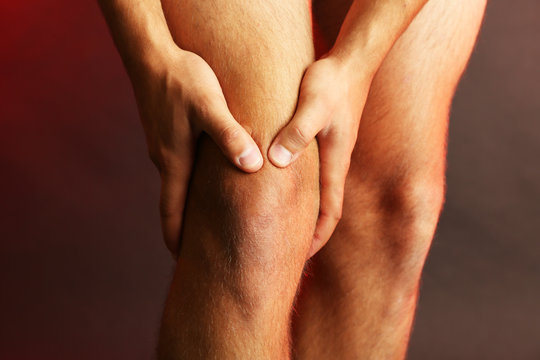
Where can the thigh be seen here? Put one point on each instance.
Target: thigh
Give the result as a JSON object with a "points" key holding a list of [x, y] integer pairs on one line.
{"points": [[258, 50], [402, 135], [405, 119]]}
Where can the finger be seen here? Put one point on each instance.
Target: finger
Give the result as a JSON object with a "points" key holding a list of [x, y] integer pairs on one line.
{"points": [[174, 184], [233, 140], [310, 118], [335, 157]]}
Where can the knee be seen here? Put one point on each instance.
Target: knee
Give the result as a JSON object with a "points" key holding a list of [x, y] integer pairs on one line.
{"points": [[257, 228], [268, 215], [404, 214], [409, 213], [411, 204]]}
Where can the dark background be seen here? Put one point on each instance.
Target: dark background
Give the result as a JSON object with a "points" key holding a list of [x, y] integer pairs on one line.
{"points": [[83, 270]]}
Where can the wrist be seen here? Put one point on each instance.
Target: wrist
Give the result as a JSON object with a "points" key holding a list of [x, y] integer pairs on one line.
{"points": [[353, 68], [146, 50], [140, 32], [369, 31], [153, 58]]}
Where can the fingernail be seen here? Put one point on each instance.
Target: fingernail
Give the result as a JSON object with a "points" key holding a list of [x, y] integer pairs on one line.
{"points": [[280, 155], [250, 158]]}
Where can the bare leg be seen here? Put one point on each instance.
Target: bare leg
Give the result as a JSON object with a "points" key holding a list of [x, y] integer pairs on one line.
{"points": [[246, 236], [359, 298]]}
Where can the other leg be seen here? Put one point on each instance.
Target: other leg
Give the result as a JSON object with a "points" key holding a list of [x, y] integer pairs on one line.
{"points": [[359, 296]]}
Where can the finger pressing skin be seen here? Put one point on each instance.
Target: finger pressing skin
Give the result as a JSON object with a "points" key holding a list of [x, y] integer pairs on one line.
{"points": [[233, 140], [335, 158], [174, 185], [311, 117]]}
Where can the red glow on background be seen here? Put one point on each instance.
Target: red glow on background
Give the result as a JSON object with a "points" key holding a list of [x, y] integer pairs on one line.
{"points": [[72, 155]]}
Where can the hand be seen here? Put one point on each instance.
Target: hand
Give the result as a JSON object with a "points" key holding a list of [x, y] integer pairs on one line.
{"points": [[178, 97], [329, 107]]}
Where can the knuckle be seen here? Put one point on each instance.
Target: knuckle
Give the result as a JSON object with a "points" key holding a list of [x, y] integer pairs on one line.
{"points": [[335, 209], [300, 135], [229, 135], [334, 213], [209, 104], [204, 106]]}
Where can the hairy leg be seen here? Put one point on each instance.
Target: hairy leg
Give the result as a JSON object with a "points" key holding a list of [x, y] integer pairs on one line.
{"points": [[359, 296], [245, 236]]}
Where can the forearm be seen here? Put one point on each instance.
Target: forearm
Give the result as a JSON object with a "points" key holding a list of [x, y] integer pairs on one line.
{"points": [[139, 30], [369, 30]]}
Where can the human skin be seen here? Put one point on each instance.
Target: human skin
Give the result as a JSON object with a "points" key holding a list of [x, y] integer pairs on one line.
{"points": [[178, 98], [236, 280], [332, 97], [360, 291]]}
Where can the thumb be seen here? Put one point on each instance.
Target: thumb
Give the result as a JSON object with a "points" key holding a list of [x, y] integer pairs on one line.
{"points": [[233, 140], [310, 118]]}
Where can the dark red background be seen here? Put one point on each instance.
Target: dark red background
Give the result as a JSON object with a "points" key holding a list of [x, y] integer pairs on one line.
{"points": [[84, 273]]}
